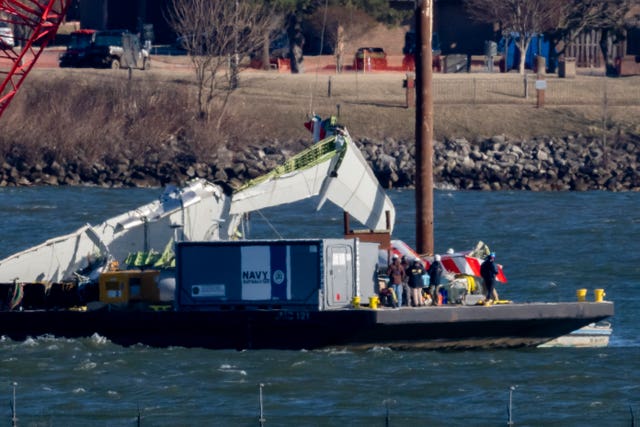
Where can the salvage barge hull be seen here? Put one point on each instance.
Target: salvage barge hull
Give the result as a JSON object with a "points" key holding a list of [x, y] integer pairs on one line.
{"points": [[455, 327]]}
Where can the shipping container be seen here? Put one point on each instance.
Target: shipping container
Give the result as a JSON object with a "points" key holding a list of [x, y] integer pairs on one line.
{"points": [[318, 274]]}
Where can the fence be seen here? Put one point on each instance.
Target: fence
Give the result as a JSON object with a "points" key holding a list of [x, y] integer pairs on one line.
{"points": [[586, 49], [516, 89]]}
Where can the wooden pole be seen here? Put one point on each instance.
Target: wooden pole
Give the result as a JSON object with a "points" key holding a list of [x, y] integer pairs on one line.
{"points": [[424, 128], [346, 223]]}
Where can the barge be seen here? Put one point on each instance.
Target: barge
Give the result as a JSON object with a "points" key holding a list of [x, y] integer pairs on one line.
{"points": [[290, 294]]}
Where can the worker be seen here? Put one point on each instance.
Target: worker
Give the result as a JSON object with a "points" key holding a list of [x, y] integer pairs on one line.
{"points": [[489, 271], [435, 271], [396, 278], [416, 270]]}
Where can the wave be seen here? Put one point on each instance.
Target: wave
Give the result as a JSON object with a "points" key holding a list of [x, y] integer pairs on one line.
{"points": [[8, 209]]}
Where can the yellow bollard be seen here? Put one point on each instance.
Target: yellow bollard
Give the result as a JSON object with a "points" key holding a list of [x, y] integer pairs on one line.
{"points": [[355, 302], [599, 295], [581, 294], [373, 302]]}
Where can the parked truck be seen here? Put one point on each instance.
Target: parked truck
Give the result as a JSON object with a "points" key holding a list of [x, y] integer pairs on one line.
{"points": [[105, 49], [76, 53], [117, 49]]}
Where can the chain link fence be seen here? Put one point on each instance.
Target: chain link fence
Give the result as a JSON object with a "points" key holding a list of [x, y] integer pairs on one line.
{"points": [[517, 89]]}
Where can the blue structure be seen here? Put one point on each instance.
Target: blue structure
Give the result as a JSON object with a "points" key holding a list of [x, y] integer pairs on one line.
{"points": [[538, 47]]}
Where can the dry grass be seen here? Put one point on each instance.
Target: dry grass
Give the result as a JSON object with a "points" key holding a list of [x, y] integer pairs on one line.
{"points": [[89, 113], [88, 116], [373, 105]]}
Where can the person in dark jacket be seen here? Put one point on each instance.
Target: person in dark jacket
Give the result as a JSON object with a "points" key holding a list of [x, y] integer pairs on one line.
{"points": [[406, 290], [415, 272], [397, 275], [489, 271], [435, 271]]}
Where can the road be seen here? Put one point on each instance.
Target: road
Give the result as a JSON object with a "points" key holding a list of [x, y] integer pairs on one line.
{"points": [[163, 59]]}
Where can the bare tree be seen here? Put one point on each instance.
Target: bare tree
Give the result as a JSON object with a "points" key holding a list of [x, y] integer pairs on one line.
{"points": [[611, 17], [521, 19], [218, 36]]}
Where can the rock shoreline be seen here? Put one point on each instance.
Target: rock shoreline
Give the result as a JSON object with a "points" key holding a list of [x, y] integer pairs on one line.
{"points": [[573, 163]]}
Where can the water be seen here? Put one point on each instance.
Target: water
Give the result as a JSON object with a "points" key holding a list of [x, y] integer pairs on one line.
{"points": [[550, 243]]}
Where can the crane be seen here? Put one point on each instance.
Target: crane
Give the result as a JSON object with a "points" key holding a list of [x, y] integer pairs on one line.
{"points": [[37, 22]]}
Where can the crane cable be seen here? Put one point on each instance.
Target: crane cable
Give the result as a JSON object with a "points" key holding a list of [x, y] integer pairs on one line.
{"points": [[324, 26]]}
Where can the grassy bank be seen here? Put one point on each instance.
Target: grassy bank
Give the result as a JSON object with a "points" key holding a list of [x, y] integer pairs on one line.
{"points": [[88, 115]]}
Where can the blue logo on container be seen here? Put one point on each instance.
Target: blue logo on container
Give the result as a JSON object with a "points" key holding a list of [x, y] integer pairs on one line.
{"points": [[278, 267], [278, 277]]}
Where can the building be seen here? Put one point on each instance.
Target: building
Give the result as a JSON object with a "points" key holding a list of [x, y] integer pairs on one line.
{"points": [[132, 15], [457, 33]]}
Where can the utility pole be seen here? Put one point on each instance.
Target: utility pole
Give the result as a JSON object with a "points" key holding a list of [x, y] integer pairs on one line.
{"points": [[424, 128]]}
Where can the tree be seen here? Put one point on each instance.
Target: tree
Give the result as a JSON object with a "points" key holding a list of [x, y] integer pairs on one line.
{"points": [[610, 17], [279, 8], [521, 19], [322, 27], [296, 43], [294, 10], [218, 36]]}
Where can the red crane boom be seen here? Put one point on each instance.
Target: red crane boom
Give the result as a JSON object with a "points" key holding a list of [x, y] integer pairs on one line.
{"points": [[36, 23]]}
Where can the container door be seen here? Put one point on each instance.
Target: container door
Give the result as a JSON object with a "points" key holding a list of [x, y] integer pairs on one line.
{"points": [[340, 275]]}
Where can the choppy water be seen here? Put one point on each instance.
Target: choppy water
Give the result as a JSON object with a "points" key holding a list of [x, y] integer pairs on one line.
{"points": [[550, 243]]}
